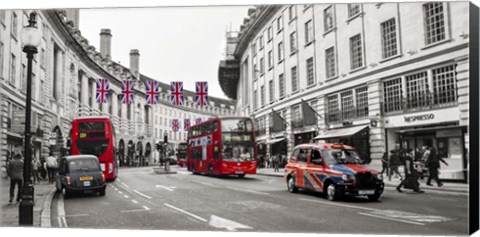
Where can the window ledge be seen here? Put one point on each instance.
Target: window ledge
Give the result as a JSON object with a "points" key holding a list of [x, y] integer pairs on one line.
{"points": [[309, 43], [310, 86], [329, 30], [279, 31], [280, 61], [360, 14], [390, 58], [270, 68], [295, 92], [331, 78], [269, 40], [436, 44], [357, 69], [292, 20], [293, 53]]}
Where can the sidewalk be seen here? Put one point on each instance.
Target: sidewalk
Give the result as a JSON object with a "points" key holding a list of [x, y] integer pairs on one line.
{"points": [[447, 186], [43, 197]]}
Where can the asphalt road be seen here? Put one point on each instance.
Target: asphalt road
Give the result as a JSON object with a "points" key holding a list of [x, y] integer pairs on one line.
{"points": [[140, 199]]}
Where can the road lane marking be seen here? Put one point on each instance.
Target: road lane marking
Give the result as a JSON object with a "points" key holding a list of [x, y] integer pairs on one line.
{"points": [[338, 204], [62, 222], [248, 191], [164, 187], [134, 201], [141, 194], [222, 223], [124, 184], [76, 215], [391, 218], [185, 212], [146, 208], [136, 210], [125, 196], [120, 192]]}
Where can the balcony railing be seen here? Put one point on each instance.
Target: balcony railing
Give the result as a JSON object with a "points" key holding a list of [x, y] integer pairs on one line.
{"points": [[342, 116], [423, 102]]}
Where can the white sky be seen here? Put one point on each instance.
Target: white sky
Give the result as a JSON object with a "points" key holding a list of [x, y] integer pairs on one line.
{"points": [[175, 43]]}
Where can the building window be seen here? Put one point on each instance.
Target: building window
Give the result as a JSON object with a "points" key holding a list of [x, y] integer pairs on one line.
{"points": [[361, 96], [42, 95], [254, 69], [13, 68], [293, 42], [34, 82], [262, 66], [308, 32], [269, 33], [332, 109], [23, 82], [1, 58], [271, 90], [291, 12], [42, 58], [296, 115], [310, 73], [294, 79], [444, 85], [14, 25], [262, 95], [270, 59], [254, 49], [389, 38], [353, 10], [260, 42], [434, 22], [417, 90], [90, 92], [348, 111], [392, 92], [109, 101], [331, 69], [281, 84], [356, 53], [328, 21], [2, 16], [279, 23], [280, 51], [255, 105]]}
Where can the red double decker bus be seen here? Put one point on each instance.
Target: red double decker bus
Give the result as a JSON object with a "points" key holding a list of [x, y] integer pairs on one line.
{"points": [[182, 154], [222, 146], [96, 136]]}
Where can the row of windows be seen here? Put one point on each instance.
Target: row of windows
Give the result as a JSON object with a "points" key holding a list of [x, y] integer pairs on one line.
{"points": [[434, 31], [347, 105]]}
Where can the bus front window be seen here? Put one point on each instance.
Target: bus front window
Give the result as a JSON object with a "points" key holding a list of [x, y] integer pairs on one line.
{"points": [[237, 153]]}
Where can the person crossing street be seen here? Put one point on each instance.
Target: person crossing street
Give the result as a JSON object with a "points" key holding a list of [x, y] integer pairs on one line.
{"points": [[432, 160]]}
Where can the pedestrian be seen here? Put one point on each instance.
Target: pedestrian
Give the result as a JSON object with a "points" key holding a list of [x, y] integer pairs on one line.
{"points": [[15, 172], [276, 162], [385, 164], [51, 165], [411, 175], [35, 175], [41, 169], [395, 161], [432, 160]]}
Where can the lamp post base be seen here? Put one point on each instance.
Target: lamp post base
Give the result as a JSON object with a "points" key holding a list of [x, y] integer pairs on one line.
{"points": [[25, 216]]}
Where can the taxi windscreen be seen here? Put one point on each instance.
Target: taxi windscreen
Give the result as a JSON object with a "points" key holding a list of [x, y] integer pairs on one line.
{"points": [[341, 156]]}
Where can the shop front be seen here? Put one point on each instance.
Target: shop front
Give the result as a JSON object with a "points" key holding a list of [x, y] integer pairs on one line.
{"points": [[438, 129], [278, 146], [355, 136], [304, 137]]}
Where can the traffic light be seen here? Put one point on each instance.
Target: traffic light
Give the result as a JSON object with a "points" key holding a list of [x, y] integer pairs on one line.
{"points": [[165, 138]]}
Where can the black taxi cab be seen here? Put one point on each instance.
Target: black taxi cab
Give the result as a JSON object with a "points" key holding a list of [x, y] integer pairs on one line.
{"points": [[333, 169]]}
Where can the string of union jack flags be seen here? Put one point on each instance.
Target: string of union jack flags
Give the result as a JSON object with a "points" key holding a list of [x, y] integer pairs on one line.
{"points": [[152, 93]]}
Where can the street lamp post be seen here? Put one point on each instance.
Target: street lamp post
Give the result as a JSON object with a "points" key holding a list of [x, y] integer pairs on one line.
{"points": [[31, 40]]}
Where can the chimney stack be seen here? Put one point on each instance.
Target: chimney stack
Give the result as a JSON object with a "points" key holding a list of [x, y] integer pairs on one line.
{"points": [[134, 63], [106, 43]]}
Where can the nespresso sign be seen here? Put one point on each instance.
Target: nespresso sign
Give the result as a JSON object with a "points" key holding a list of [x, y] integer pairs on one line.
{"points": [[420, 117]]}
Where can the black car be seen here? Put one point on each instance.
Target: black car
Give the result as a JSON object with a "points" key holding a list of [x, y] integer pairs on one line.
{"points": [[80, 173]]}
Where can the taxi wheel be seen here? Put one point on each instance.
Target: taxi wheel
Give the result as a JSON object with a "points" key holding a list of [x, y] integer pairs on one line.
{"points": [[374, 197], [102, 192], [332, 193], [291, 185]]}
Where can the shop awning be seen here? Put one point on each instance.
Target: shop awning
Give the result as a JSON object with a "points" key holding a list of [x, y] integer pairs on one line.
{"points": [[273, 141], [430, 129], [340, 132]]}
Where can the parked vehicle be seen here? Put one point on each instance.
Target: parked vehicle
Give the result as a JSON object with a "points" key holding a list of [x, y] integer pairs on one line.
{"points": [[333, 169], [80, 173]]}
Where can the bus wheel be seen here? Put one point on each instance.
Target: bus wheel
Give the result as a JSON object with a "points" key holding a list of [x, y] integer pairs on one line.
{"points": [[241, 175]]}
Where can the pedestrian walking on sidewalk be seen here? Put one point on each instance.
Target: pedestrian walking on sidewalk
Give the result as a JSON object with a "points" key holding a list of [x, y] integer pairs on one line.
{"points": [[411, 175], [15, 172], [276, 162], [51, 167], [385, 164], [432, 160], [35, 165], [395, 161]]}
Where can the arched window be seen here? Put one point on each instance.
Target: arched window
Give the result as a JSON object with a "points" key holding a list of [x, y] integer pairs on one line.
{"points": [[146, 114]]}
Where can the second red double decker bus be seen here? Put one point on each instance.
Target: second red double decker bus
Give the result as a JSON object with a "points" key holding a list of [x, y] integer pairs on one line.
{"points": [[96, 136], [182, 154], [222, 146]]}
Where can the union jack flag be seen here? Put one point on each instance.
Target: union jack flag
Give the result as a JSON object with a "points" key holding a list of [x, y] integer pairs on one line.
{"points": [[152, 92], [175, 125], [186, 125], [198, 120], [176, 93], [127, 92], [102, 91], [202, 93]]}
